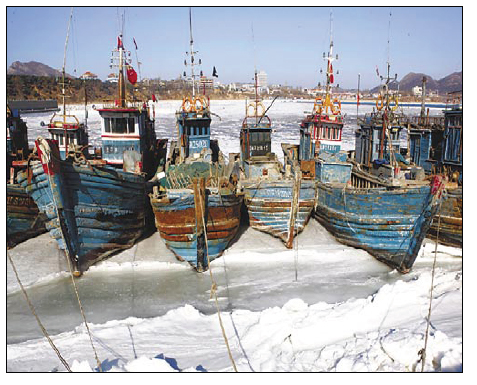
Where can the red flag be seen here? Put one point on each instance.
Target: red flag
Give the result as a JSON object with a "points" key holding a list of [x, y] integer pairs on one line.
{"points": [[120, 42], [357, 98], [332, 78], [132, 76], [134, 40]]}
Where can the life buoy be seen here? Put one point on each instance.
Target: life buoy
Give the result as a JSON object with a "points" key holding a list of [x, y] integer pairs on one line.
{"points": [[254, 109], [202, 104], [380, 102], [318, 106], [336, 106], [396, 103], [187, 104]]}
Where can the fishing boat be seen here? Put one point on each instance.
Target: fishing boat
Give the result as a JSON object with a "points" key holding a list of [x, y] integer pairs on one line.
{"points": [[24, 221], [435, 143], [370, 202], [279, 202], [96, 208], [196, 207]]}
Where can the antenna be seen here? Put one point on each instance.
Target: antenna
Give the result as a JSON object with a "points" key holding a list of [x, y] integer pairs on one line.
{"points": [[254, 51], [389, 32], [64, 64], [192, 52]]}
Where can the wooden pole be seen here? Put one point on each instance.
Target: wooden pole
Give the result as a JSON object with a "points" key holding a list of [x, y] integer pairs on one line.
{"points": [[200, 220], [294, 208]]}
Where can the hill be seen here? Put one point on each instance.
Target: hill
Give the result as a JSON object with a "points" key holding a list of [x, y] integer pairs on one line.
{"points": [[27, 87], [33, 68], [452, 82]]}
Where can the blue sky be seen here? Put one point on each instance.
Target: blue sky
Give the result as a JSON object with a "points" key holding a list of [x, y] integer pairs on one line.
{"points": [[288, 42]]}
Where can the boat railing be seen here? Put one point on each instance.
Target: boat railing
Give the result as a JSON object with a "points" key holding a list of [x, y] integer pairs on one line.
{"points": [[251, 122], [374, 118], [425, 121], [116, 104], [64, 121]]}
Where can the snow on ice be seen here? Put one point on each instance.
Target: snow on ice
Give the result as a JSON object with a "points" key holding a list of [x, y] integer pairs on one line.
{"points": [[322, 306]]}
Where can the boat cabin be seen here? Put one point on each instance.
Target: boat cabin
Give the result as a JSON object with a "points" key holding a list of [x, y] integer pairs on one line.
{"points": [[193, 123], [319, 152], [17, 135], [256, 154], [320, 133], [193, 126], [425, 141], [130, 130], [371, 147], [66, 130], [452, 146]]}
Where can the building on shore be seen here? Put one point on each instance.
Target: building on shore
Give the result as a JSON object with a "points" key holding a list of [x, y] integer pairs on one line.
{"points": [[89, 76]]}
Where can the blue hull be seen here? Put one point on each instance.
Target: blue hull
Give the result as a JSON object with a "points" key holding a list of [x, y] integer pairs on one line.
{"points": [[389, 224], [176, 222], [269, 205], [24, 221], [447, 225], [92, 211]]}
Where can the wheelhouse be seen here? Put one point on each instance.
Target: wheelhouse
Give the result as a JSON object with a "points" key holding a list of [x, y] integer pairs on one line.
{"points": [[374, 147], [66, 130]]}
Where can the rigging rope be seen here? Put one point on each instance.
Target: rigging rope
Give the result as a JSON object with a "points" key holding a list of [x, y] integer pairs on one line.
{"points": [[422, 352], [213, 289], [69, 261], [45, 333]]}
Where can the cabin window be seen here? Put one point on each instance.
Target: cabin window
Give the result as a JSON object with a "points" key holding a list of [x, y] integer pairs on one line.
{"points": [[119, 125], [131, 125], [61, 140], [187, 131]]}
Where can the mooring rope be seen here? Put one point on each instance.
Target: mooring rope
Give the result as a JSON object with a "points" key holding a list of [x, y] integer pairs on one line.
{"points": [[213, 289], [50, 155], [32, 309], [422, 352]]}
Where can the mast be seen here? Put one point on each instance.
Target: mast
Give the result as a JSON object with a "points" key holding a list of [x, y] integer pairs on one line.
{"points": [[121, 82], [357, 99], [330, 58], [423, 100], [63, 82], [119, 59], [327, 104], [192, 52]]}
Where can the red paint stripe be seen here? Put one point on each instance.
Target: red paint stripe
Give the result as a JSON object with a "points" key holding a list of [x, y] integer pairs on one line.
{"points": [[121, 136]]}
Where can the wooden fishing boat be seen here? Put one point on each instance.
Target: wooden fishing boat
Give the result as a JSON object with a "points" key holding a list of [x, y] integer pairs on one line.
{"points": [[436, 144], [279, 202], [196, 207], [96, 208], [366, 202], [24, 221]]}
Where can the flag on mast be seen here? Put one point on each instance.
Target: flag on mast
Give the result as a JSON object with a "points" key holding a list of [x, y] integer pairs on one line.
{"points": [[135, 44], [332, 78], [214, 73]]}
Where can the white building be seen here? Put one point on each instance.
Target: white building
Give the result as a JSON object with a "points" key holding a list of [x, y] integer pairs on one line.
{"points": [[112, 78], [417, 91], [88, 76], [262, 79]]}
